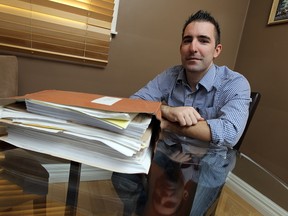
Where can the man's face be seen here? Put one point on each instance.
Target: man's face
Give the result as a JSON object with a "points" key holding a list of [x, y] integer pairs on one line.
{"points": [[167, 195], [197, 48]]}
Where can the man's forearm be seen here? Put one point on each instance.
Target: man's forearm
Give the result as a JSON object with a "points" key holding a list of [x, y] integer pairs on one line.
{"points": [[200, 131]]}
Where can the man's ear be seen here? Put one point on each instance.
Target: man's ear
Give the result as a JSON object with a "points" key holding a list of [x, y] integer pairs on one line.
{"points": [[185, 195], [218, 50]]}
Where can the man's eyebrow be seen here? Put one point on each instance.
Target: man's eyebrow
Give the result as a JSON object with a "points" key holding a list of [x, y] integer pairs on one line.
{"points": [[204, 37], [186, 36], [200, 36]]}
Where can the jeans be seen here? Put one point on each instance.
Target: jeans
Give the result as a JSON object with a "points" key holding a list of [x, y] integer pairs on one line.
{"points": [[213, 172], [131, 190]]}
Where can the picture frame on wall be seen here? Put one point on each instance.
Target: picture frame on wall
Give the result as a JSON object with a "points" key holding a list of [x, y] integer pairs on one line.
{"points": [[279, 12]]}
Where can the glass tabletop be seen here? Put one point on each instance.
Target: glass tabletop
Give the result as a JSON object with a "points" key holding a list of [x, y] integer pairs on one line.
{"points": [[180, 182]]}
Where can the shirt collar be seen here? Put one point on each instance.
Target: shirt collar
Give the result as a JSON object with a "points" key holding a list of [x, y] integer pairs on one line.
{"points": [[209, 78], [181, 78], [207, 81]]}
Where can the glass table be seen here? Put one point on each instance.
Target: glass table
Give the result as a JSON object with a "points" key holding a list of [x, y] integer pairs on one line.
{"points": [[179, 182]]}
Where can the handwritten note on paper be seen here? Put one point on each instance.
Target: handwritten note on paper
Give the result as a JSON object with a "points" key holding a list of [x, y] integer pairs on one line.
{"points": [[106, 100]]}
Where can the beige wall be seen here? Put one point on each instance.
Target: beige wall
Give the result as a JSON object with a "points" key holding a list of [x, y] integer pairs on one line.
{"points": [[262, 58], [147, 43]]}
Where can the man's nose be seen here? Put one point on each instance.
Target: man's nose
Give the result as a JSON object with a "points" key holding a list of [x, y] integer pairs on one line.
{"points": [[193, 46]]}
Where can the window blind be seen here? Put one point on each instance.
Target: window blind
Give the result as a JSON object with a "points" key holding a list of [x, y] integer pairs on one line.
{"points": [[73, 30]]}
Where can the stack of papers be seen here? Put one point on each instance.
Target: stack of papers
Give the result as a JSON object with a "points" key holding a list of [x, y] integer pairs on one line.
{"points": [[106, 137]]}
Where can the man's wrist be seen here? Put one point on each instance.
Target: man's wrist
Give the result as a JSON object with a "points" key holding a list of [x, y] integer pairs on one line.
{"points": [[164, 109]]}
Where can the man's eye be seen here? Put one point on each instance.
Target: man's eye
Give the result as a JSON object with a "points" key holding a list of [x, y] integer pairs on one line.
{"points": [[186, 41], [204, 41]]}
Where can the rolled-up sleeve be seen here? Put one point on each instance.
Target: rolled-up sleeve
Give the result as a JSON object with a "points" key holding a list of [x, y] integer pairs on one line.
{"points": [[233, 102]]}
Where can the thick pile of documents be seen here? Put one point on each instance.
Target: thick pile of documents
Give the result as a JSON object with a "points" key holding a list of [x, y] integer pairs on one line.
{"points": [[106, 132]]}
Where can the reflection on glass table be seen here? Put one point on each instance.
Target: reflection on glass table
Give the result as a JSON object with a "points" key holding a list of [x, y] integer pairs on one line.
{"points": [[21, 178], [183, 180], [26, 186]]}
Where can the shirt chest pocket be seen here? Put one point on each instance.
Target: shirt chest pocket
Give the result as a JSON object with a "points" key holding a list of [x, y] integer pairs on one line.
{"points": [[209, 112]]}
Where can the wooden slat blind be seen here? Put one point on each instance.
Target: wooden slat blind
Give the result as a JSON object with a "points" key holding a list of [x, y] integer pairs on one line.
{"points": [[74, 30]]}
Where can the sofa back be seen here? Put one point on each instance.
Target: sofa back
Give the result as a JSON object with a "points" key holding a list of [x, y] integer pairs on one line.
{"points": [[8, 76]]}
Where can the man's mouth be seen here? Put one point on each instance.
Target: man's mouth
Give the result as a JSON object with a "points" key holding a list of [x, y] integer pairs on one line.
{"points": [[193, 59]]}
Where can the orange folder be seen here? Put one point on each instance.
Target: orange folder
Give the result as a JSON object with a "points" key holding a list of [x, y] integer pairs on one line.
{"points": [[84, 100]]}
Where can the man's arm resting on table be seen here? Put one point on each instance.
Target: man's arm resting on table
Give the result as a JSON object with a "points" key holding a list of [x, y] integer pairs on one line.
{"points": [[185, 121]]}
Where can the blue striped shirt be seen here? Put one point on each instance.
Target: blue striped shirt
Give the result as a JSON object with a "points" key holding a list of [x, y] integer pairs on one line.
{"points": [[222, 97]]}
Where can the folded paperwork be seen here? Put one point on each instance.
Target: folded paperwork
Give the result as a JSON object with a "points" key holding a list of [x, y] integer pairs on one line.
{"points": [[106, 132]]}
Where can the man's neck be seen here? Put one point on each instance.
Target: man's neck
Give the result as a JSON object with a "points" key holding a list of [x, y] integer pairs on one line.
{"points": [[193, 78]]}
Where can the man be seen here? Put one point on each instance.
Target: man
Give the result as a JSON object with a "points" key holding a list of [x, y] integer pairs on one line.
{"points": [[205, 107]]}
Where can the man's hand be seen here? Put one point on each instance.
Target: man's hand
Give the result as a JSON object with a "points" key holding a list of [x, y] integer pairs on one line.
{"points": [[185, 121], [180, 157], [185, 116]]}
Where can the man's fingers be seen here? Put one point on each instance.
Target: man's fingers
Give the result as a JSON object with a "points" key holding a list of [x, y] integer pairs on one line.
{"points": [[185, 116], [188, 120], [180, 157]]}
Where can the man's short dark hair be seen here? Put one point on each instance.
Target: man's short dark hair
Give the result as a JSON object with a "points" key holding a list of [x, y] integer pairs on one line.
{"points": [[204, 16]]}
